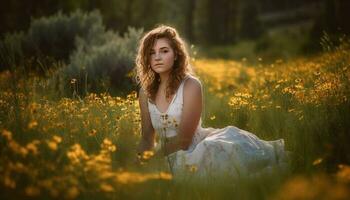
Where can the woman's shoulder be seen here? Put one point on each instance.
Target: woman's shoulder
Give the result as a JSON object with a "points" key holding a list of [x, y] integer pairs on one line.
{"points": [[192, 84], [192, 80]]}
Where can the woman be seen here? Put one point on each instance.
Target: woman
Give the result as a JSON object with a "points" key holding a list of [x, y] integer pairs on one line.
{"points": [[170, 101]]}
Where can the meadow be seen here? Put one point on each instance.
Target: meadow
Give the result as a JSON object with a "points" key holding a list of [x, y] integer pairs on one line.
{"points": [[85, 147]]}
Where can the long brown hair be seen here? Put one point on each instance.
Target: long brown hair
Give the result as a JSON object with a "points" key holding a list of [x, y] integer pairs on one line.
{"points": [[148, 79]]}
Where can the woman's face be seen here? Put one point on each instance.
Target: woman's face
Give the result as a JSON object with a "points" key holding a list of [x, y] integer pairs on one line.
{"points": [[162, 56]]}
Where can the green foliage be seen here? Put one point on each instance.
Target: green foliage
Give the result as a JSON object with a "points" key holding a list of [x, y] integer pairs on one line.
{"points": [[85, 149], [241, 50], [56, 35], [251, 26], [104, 66], [74, 46], [282, 43], [51, 38], [11, 51], [208, 29]]}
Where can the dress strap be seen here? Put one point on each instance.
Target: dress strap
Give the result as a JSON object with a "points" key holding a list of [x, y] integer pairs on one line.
{"points": [[179, 97]]}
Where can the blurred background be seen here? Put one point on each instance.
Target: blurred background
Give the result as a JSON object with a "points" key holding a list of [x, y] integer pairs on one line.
{"points": [[203, 22], [88, 34]]}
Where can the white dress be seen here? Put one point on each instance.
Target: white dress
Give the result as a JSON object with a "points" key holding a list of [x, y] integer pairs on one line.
{"points": [[214, 152]]}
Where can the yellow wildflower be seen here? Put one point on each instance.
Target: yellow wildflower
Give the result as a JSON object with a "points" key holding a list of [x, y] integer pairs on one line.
{"points": [[106, 187], [52, 145], [72, 193], [32, 191], [317, 161], [6, 134], [32, 124], [147, 154], [57, 139]]}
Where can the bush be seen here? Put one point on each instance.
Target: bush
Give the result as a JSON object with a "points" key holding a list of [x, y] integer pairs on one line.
{"points": [[56, 35], [104, 66], [11, 51], [50, 39], [75, 46]]}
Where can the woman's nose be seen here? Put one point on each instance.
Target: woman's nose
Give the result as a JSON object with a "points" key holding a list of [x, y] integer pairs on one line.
{"points": [[157, 56]]}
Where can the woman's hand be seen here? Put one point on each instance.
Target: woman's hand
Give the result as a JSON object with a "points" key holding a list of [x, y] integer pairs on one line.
{"points": [[172, 144]]}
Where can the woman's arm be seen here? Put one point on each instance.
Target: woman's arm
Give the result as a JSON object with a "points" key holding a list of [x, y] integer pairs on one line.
{"points": [[147, 130], [191, 113]]}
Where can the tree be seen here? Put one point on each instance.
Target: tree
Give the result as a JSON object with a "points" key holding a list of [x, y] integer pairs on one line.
{"points": [[217, 21], [250, 26]]}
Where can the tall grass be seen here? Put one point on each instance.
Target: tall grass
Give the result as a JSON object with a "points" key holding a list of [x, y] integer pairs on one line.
{"points": [[85, 147]]}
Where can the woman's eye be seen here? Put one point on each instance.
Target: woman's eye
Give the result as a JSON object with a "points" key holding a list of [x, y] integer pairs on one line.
{"points": [[165, 51]]}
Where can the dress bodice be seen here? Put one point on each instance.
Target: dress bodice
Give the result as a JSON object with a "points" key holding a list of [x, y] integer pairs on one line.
{"points": [[166, 124]]}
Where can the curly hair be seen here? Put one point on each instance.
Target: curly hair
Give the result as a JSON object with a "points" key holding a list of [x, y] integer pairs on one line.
{"points": [[145, 76]]}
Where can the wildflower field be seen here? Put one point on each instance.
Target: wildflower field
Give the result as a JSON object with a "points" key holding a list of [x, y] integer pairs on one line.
{"points": [[85, 147]]}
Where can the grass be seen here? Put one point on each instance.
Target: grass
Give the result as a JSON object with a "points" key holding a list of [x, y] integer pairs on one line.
{"points": [[286, 42], [83, 148]]}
